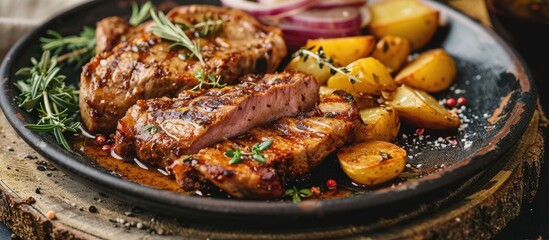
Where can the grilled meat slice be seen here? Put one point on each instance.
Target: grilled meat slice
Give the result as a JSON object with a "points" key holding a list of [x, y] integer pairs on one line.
{"points": [[198, 119], [145, 66], [110, 31], [299, 145]]}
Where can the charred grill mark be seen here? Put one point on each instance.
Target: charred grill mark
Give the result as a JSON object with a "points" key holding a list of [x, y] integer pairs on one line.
{"points": [[139, 58]]}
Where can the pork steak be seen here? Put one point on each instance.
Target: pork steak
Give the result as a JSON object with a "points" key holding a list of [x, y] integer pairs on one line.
{"points": [[158, 131], [299, 145], [143, 66]]}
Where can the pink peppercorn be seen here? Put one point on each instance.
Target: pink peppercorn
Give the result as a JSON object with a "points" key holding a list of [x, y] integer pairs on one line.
{"points": [[331, 184]]}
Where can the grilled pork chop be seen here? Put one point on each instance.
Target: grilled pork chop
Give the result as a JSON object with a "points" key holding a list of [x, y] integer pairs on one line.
{"points": [[198, 119], [299, 145], [144, 66], [112, 30]]}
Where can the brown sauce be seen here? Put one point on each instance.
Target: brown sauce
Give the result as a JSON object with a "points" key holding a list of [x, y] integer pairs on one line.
{"points": [[128, 170], [132, 171]]}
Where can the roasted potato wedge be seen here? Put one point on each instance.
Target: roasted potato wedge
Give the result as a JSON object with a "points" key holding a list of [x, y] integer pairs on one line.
{"points": [[422, 110], [380, 123], [310, 66], [410, 19], [432, 71], [372, 162], [371, 75], [344, 50], [392, 52]]}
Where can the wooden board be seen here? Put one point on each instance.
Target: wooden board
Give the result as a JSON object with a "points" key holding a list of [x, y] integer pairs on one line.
{"points": [[480, 208]]}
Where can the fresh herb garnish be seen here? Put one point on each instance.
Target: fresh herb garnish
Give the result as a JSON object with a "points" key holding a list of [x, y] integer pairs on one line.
{"points": [[297, 195], [257, 152], [168, 30], [208, 26], [77, 49], [323, 60], [151, 128], [140, 15], [235, 154], [165, 29], [44, 91], [207, 79]]}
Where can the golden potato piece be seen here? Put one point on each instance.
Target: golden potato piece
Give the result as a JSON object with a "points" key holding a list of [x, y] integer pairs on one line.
{"points": [[310, 66], [380, 123], [432, 71], [392, 52], [371, 75], [344, 50], [372, 162], [422, 110], [410, 19]]}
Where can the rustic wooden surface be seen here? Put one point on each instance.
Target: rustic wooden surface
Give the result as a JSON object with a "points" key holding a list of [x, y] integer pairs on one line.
{"points": [[29, 188]]}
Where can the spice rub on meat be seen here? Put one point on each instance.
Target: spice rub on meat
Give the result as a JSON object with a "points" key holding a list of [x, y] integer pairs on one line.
{"points": [[299, 145], [143, 66], [158, 131]]}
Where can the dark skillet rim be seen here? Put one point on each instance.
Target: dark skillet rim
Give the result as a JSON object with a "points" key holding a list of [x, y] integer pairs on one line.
{"points": [[168, 200]]}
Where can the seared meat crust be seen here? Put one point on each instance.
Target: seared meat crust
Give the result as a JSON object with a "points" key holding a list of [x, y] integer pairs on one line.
{"points": [[198, 119], [299, 145], [144, 66]]}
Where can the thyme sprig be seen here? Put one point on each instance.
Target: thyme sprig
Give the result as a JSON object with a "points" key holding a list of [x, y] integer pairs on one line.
{"points": [[44, 91], [207, 79], [166, 29], [150, 128], [323, 60], [296, 195], [139, 15], [257, 152], [77, 49]]}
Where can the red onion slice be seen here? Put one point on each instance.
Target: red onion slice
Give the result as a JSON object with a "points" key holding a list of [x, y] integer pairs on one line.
{"points": [[297, 35], [328, 19], [326, 4], [273, 8]]}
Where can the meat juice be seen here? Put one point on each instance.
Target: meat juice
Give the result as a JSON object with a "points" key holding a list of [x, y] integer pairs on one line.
{"points": [[128, 169]]}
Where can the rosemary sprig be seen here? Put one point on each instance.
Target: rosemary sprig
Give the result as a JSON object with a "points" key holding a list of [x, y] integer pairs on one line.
{"points": [[257, 152], [170, 31], [44, 90], [323, 60], [207, 79], [296, 195], [77, 49], [208, 26], [165, 29], [80, 48], [140, 15]]}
